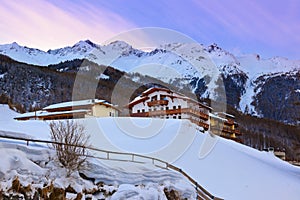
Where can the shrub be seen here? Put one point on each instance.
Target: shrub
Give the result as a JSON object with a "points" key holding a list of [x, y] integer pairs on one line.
{"points": [[70, 144]]}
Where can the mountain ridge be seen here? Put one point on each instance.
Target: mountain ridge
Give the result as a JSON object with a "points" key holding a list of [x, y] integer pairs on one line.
{"points": [[206, 69]]}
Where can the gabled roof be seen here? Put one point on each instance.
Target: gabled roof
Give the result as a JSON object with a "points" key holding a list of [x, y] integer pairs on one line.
{"points": [[73, 103], [217, 117], [144, 97], [154, 89], [80, 103], [224, 114], [43, 113], [137, 100]]}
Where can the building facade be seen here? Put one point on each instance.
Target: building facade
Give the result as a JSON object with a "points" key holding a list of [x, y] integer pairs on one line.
{"points": [[223, 124], [164, 103]]}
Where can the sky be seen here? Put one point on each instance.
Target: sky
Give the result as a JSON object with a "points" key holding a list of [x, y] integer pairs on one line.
{"points": [[266, 27]]}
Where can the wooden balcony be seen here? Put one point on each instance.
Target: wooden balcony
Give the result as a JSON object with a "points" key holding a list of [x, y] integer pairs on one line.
{"points": [[231, 131], [226, 130], [157, 103], [165, 112], [195, 113], [172, 112], [229, 122], [199, 123], [142, 114]]}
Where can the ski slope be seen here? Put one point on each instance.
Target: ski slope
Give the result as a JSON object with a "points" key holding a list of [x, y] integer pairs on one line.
{"points": [[229, 170]]}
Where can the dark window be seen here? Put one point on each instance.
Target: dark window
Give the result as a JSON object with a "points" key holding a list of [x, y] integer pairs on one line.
{"points": [[174, 117], [179, 107], [167, 108], [163, 97], [154, 98], [179, 117], [143, 110], [174, 107], [138, 111]]}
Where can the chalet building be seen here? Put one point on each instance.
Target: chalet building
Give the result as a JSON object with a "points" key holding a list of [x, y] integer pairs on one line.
{"points": [[223, 124], [73, 109], [164, 103]]}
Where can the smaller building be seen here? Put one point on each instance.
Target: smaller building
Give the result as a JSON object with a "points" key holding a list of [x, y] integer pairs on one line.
{"points": [[223, 124], [73, 109]]}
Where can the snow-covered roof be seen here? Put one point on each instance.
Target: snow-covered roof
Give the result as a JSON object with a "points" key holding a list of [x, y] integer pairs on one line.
{"points": [[137, 100], [153, 89], [75, 103], [224, 114], [44, 113], [217, 117]]}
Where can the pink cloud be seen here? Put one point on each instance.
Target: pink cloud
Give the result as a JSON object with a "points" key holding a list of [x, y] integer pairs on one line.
{"points": [[44, 25]]}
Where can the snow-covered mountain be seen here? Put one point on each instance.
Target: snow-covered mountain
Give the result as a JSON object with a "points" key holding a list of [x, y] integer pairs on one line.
{"points": [[206, 69]]}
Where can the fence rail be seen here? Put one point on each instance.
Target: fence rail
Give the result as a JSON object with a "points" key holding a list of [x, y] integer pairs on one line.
{"points": [[202, 194]]}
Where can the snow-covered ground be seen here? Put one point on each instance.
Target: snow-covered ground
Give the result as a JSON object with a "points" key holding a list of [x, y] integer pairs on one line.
{"points": [[228, 170], [36, 165]]}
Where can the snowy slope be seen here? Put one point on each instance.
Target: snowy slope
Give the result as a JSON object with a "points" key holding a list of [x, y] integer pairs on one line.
{"points": [[36, 166], [230, 170], [82, 49], [254, 67]]}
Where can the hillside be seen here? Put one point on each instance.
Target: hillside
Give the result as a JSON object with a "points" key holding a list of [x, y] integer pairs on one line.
{"points": [[228, 169], [29, 87], [211, 72]]}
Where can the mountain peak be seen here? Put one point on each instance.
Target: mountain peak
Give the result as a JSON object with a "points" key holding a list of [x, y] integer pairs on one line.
{"points": [[85, 43], [120, 43]]}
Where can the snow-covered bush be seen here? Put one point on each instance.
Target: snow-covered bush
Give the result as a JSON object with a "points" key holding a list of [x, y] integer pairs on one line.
{"points": [[70, 142]]}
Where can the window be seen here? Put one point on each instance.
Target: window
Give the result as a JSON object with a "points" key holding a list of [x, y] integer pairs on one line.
{"points": [[174, 107], [143, 110], [154, 98], [162, 108], [179, 117], [138, 111], [163, 97], [179, 107], [174, 117], [167, 108]]}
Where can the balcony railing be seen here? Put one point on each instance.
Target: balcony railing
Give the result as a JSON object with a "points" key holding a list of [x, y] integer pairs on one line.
{"points": [[229, 122], [165, 112], [199, 123], [172, 112], [157, 103], [142, 114], [226, 130], [196, 113]]}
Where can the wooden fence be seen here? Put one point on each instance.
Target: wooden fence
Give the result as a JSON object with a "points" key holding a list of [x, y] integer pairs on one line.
{"points": [[202, 194]]}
